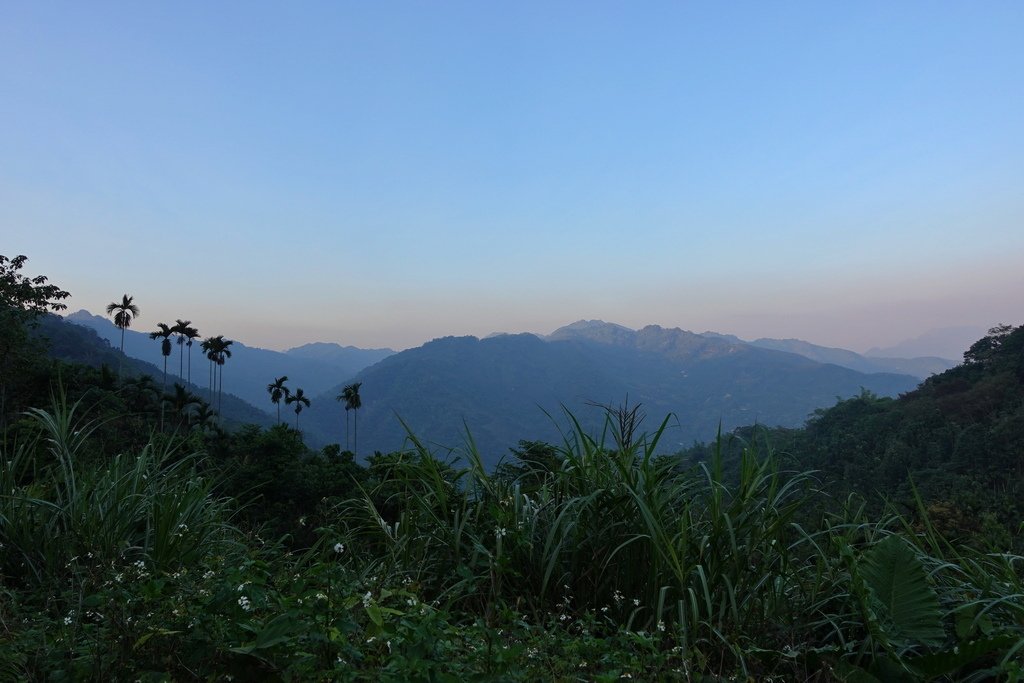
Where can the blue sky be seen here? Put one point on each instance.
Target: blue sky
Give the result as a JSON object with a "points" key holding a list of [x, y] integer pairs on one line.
{"points": [[385, 173]]}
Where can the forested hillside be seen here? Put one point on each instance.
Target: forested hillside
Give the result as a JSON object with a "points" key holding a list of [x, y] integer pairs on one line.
{"points": [[958, 439]]}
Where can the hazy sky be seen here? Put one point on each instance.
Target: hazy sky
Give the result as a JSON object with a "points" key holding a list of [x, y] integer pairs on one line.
{"points": [[379, 173]]}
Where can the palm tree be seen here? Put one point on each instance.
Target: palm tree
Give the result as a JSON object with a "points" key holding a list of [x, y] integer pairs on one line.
{"points": [[182, 400], [207, 347], [203, 419], [218, 352], [299, 400], [222, 357], [179, 329], [126, 312], [343, 396], [350, 395], [277, 390], [190, 333], [164, 332]]}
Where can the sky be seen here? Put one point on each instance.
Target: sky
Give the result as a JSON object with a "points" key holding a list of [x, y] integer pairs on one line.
{"points": [[381, 174]]}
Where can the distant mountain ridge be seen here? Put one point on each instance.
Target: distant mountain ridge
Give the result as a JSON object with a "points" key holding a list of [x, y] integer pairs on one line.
{"points": [[510, 387], [945, 342], [920, 367], [344, 357]]}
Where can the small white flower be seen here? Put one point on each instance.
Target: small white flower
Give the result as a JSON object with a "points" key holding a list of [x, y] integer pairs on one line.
{"points": [[636, 602], [367, 599], [339, 548], [661, 626], [244, 603]]}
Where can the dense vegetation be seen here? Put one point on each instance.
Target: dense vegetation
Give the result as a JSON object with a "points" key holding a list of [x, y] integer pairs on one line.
{"points": [[135, 549], [958, 440]]}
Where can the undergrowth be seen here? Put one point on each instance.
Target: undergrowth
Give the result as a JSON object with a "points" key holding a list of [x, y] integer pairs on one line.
{"points": [[601, 562]]}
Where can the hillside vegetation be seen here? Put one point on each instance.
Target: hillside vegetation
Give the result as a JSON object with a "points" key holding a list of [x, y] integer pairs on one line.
{"points": [[958, 440], [150, 545]]}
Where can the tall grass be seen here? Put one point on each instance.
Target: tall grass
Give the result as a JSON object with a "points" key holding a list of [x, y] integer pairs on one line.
{"points": [[60, 510], [724, 564]]}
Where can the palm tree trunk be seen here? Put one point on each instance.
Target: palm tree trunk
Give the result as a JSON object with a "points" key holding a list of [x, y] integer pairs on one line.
{"points": [[121, 357], [355, 436]]}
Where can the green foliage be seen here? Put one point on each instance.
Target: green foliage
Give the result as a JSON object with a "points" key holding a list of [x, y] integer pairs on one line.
{"points": [[129, 553], [23, 300], [900, 598]]}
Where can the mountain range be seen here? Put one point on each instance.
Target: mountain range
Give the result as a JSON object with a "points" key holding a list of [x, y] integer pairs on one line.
{"points": [[507, 387]]}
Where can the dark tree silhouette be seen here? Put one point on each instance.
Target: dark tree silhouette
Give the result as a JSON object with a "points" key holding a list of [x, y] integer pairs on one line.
{"points": [[124, 313], [182, 401], [277, 391], [299, 400], [191, 334], [218, 352], [179, 328], [165, 332], [22, 300], [350, 395]]}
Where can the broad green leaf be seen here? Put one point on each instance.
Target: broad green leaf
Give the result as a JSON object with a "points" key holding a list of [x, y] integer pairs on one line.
{"points": [[897, 579]]}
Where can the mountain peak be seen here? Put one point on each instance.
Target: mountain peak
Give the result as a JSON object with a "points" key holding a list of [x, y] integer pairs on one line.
{"points": [[593, 330]]}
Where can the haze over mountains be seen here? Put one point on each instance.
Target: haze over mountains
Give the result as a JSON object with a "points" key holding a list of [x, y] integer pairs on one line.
{"points": [[508, 387], [947, 342]]}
